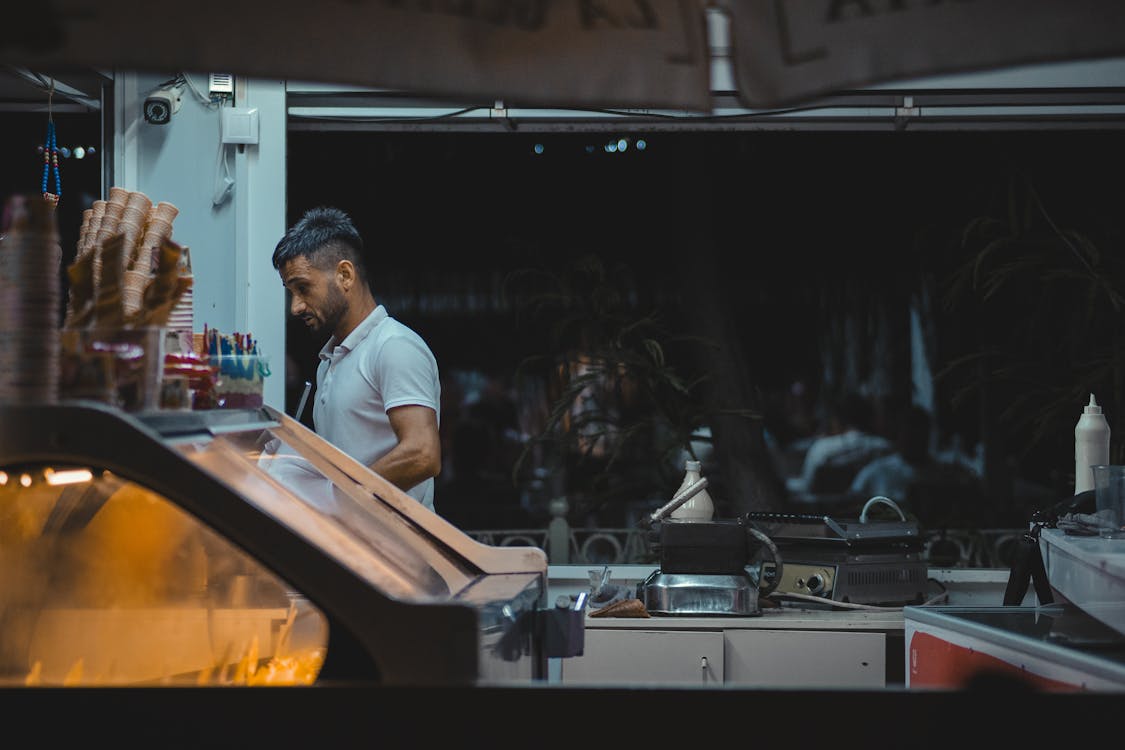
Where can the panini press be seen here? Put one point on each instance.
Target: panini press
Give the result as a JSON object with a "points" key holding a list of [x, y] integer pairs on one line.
{"points": [[846, 560]]}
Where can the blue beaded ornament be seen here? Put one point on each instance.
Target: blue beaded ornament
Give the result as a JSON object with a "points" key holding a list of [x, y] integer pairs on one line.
{"points": [[51, 155]]}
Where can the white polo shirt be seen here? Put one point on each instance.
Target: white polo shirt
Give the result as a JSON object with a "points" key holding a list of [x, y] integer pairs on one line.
{"points": [[378, 366]]}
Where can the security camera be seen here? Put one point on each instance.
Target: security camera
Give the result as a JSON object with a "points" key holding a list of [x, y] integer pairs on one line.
{"points": [[161, 104]]}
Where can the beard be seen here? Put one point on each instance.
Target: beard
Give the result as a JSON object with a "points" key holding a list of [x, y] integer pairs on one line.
{"points": [[332, 311]]}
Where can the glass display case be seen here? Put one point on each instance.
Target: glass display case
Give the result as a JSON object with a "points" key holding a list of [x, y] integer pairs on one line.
{"points": [[237, 547]]}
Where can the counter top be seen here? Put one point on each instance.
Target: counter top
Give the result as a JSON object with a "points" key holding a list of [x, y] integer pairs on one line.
{"points": [[788, 618], [1089, 572]]}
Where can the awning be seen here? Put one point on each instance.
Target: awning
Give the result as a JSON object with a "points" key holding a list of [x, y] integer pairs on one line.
{"points": [[580, 53], [612, 53], [788, 51]]}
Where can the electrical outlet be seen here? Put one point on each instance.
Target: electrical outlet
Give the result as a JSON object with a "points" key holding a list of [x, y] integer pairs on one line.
{"points": [[240, 124]]}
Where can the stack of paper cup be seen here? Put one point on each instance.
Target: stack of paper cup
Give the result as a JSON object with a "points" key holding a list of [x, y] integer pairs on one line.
{"points": [[30, 291], [182, 317]]}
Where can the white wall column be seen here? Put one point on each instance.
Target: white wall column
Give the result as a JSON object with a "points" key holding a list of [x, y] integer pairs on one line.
{"points": [[259, 208], [231, 237]]}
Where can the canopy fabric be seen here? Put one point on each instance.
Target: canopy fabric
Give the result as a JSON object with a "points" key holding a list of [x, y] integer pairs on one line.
{"points": [[789, 51], [592, 53], [635, 54]]}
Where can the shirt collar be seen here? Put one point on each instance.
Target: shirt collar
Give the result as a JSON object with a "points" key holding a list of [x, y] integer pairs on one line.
{"points": [[358, 334]]}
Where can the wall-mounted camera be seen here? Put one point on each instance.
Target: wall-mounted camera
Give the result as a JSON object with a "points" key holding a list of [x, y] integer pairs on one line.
{"points": [[162, 103]]}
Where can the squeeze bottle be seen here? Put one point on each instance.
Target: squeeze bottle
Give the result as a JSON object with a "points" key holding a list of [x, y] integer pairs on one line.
{"points": [[699, 507], [1091, 445]]}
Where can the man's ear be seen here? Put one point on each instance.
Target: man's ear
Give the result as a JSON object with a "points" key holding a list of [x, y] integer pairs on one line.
{"points": [[345, 274]]}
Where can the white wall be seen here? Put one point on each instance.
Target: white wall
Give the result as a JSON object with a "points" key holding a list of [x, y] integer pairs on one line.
{"points": [[236, 288]]}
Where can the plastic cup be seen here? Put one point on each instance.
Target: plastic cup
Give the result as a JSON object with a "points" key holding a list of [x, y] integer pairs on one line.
{"points": [[1109, 498]]}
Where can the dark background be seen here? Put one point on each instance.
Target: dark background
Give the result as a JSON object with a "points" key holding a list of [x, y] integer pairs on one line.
{"points": [[21, 167], [806, 228], [798, 222]]}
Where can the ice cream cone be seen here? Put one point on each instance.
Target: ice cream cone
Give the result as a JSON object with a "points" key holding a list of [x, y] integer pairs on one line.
{"points": [[133, 234], [166, 211], [113, 211], [132, 290], [104, 235], [140, 202], [135, 214], [158, 230], [89, 212], [97, 211]]}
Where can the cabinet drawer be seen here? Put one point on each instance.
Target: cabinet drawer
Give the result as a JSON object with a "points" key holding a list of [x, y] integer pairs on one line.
{"points": [[805, 658], [646, 656]]}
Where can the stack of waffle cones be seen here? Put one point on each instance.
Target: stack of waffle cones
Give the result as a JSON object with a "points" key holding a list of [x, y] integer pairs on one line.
{"points": [[126, 269]]}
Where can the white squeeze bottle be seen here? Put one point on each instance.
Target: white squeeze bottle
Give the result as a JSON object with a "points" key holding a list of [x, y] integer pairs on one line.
{"points": [[1091, 445], [699, 507]]}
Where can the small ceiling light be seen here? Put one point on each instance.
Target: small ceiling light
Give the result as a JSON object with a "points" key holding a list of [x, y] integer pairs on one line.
{"points": [[25, 480], [3, 478], [622, 144], [79, 152], [611, 147], [538, 148], [642, 144]]}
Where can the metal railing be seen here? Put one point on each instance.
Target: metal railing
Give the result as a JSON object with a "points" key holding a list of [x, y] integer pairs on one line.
{"points": [[566, 545]]}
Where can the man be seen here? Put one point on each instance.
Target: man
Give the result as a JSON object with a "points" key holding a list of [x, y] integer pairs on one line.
{"points": [[913, 477], [377, 388], [833, 459]]}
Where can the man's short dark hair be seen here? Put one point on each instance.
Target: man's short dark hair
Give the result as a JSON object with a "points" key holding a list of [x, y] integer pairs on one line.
{"points": [[325, 236]]}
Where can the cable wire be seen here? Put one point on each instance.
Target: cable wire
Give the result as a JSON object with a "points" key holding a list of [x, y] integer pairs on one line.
{"points": [[880, 500], [942, 595], [688, 117]]}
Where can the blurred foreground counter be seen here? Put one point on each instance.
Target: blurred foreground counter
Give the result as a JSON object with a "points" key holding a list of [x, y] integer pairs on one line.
{"points": [[235, 547]]}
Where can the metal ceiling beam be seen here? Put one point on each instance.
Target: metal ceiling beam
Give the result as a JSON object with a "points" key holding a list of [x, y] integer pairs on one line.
{"points": [[43, 82]]}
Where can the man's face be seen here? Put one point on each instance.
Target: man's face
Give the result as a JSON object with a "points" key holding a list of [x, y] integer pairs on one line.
{"points": [[316, 297]]}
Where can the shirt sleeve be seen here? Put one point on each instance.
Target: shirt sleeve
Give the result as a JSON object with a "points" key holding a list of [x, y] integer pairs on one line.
{"points": [[814, 457], [863, 479], [407, 374]]}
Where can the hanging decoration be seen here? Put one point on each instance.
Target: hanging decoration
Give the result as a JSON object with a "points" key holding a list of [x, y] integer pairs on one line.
{"points": [[78, 152], [51, 154]]}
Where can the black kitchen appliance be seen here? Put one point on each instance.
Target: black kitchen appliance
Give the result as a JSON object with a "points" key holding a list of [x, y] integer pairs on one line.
{"points": [[706, 567], [860, 561]]}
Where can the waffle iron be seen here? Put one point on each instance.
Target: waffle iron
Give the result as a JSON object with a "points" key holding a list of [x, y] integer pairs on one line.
{"points": [[873, 562]]}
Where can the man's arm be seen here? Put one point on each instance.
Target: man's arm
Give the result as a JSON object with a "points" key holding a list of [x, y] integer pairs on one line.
{"points": [[417, 456]]}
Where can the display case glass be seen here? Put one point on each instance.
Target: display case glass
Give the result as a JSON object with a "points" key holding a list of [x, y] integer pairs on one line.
{"points": [[106, 582], [238, 547]]}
